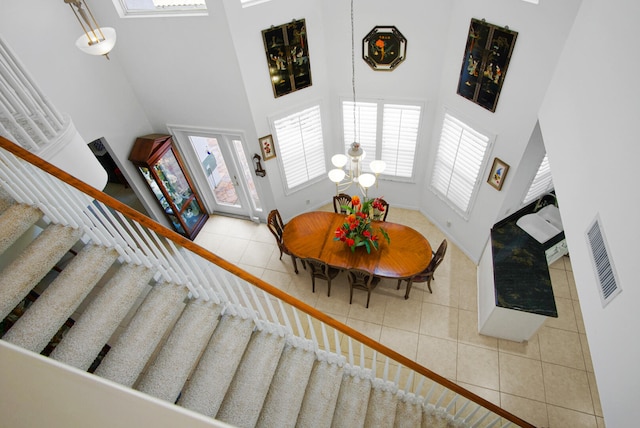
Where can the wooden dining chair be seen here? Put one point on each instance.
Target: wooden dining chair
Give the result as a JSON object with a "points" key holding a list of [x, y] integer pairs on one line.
{"points": [[427, 274], [381, 215], [276, 226], [319, 269], [339, 201], [362, 280]]}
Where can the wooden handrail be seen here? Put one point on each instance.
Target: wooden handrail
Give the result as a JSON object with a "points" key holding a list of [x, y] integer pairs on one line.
{"points": [[235, 270]]}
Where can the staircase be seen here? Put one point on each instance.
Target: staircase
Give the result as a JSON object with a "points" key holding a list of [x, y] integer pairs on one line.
{"points": [[189, 333]]}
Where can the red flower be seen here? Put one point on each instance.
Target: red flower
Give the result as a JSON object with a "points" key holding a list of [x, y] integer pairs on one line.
{"points": [[356, 230]]}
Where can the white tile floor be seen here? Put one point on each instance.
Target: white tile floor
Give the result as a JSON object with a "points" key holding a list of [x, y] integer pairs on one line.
{"points": [[547, 381]]}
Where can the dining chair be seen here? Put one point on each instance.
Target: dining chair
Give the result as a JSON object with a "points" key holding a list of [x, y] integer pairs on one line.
{"points": [[427, 274], [339, 201], [319, 269], [362, 280], [381, 215], [276, 226]]}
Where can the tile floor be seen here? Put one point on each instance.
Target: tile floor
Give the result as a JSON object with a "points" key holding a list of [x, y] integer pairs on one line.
{"points": [[547, 381]]}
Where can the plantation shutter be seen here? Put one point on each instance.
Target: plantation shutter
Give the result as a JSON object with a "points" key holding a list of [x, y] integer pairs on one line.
{"points": [[365, 131], [299, 137], [460, 155], [399, 137], [541, 183]]}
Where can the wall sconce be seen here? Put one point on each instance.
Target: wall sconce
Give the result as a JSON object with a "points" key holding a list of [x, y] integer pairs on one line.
{"points": [[96, 40], [260, 172]]}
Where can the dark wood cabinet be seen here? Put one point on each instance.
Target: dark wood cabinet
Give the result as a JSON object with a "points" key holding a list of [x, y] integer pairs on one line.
{"points": [[163, 171]]}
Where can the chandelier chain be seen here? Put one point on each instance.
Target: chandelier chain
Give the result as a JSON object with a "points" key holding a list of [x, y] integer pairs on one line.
{"points": [[353, 72]]}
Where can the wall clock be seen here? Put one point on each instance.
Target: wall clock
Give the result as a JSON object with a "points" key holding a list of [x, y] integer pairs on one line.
{"points": [[384, 48]]}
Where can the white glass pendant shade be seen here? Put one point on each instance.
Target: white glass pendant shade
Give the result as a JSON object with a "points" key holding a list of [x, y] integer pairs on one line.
{"points": [[339, 160], [93, 43], [366, 180], [336, 175], [377, 166]]}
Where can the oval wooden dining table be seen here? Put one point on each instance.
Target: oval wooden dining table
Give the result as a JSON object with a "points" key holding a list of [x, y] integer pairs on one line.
{"points": [[311, 235]]}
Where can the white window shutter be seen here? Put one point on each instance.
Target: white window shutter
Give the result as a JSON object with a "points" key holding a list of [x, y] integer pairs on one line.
{"points": [[461, 154], [365, 131], [399, 138], [301, 146], [542, 182]]}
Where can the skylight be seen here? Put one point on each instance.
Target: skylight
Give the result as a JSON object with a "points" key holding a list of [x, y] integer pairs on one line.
{"points": [[160, 7]]}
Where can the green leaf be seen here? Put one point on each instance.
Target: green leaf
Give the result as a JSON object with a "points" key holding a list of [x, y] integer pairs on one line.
{"points": [[386, 235]]}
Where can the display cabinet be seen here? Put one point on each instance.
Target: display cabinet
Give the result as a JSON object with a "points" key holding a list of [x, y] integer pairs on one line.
{"points": [[163, 171]]}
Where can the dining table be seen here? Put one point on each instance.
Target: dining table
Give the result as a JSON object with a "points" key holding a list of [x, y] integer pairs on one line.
{"points": [[311, 235]]}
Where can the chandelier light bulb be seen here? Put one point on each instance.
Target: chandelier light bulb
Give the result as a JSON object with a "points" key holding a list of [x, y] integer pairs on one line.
{"points": [[366, 180], [336, 175], [339, 160], [377, 166]]}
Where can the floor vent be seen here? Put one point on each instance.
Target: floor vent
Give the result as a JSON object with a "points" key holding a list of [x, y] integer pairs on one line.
{"points": [[602, 263]]}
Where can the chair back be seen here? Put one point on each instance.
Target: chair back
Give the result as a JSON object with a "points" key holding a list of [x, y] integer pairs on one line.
{"points": [[275, 224], [339, 201], [437, 257], [381, 215], [361, 279], [317, 268]]}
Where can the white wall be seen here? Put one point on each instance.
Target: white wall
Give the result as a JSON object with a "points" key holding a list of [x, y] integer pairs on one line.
{"points": [[588, 121]]}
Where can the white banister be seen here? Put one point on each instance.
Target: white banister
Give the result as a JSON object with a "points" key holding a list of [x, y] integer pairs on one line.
{"points": [[28, 117]]}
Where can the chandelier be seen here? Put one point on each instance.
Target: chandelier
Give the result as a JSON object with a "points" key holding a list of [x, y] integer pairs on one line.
{"points": [[96, 40], [355, 155]]}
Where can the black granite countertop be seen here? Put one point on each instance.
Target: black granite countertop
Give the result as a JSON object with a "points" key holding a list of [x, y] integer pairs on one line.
{"points": [[521, 274]]}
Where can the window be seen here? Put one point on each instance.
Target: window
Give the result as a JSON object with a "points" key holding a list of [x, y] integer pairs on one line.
{"points": [[248, 3], [301, 146], [392, 137], [542, 182], [461, 154], [147, 8]]}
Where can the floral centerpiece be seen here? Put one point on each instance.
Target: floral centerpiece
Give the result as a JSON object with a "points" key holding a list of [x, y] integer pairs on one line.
{"points": [[356, 231]]}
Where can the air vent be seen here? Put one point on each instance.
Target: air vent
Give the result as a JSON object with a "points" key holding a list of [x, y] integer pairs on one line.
{"points": [[602, 263]]}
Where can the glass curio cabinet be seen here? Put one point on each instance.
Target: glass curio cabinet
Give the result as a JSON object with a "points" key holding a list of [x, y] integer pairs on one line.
{"points": [[163, 171]]}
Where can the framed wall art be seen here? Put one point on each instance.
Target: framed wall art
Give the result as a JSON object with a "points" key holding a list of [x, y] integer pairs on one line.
{"points": [[266, 145], [485, 62], [288, 57], [498, 173], [384, 48]]}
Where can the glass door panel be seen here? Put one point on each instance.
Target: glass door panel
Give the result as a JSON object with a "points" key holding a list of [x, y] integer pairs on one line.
{"points": [[228, 174]]}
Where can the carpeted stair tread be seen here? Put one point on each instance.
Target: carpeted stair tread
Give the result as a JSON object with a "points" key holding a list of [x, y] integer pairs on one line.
{"points": [[24, 273], [284, 399], [351, 407], [131, 352], [383, 404], [242, 403], [61, 298], [409, 411], [14, 222], [213, 375], [5, 200], [321, 394], [171, 368], [91, 331]]}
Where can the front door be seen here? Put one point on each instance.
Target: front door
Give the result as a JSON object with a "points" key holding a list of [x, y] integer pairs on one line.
{"points": [[224, 175]]}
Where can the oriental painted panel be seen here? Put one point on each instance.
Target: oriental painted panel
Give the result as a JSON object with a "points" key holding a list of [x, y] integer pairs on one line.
{"points": [[288, 57], [486, 59]]}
